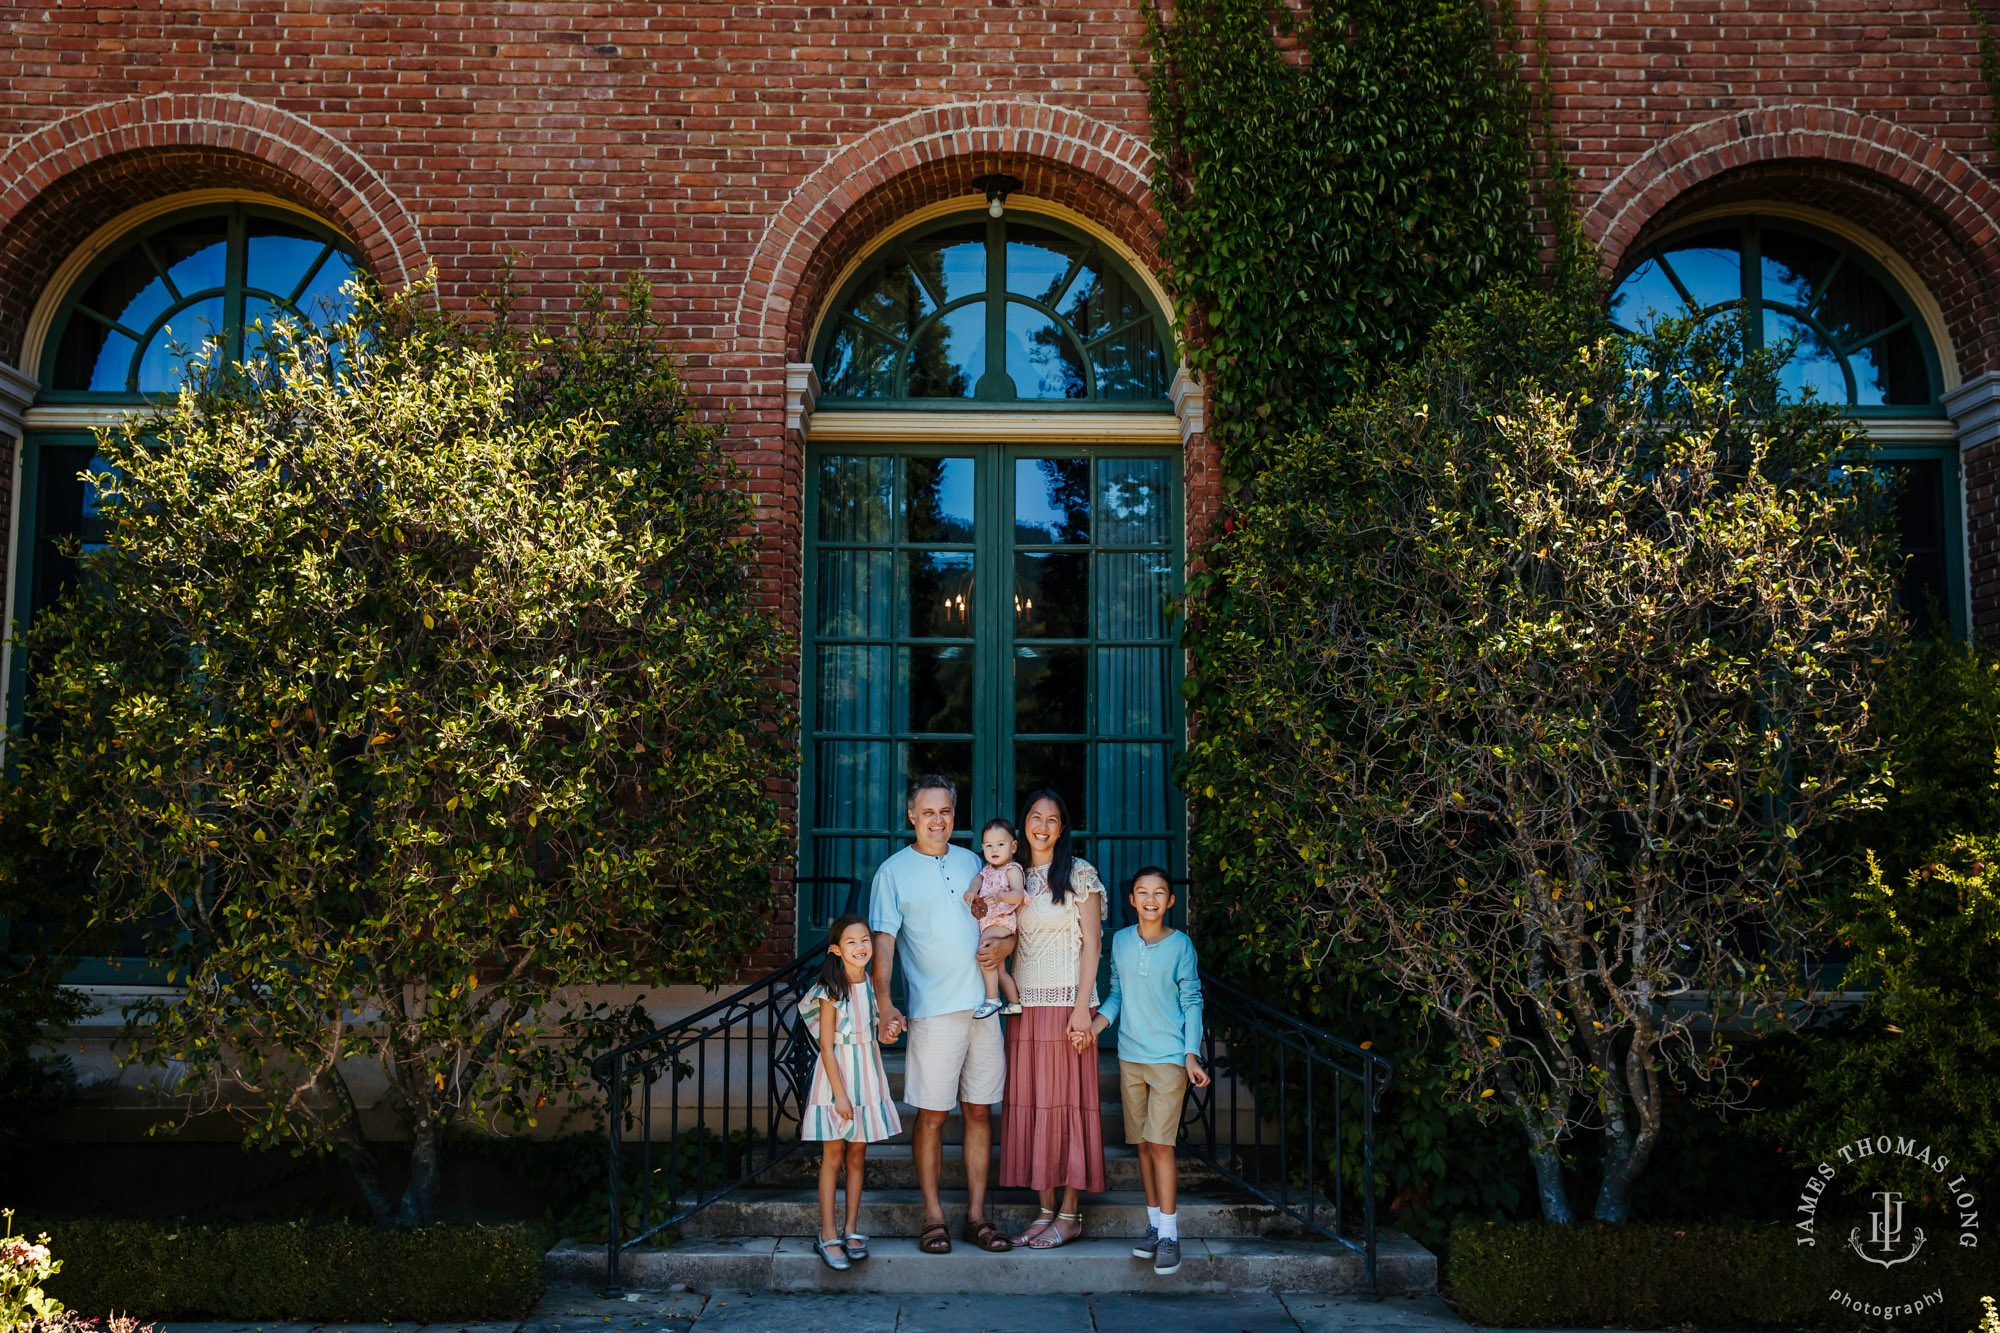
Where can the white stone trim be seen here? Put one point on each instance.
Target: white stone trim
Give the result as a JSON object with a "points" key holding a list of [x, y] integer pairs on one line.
{"points": [[1190, 404], [17, 390], [1975, 410], [997, 427], [801, 394]]}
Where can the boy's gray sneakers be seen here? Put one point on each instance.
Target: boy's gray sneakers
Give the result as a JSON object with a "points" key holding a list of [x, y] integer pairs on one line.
{"points": [[1148, 1244], [1167, 1258]]}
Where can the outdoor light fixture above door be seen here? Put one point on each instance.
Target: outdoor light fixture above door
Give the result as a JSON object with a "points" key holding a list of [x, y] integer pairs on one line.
{"points": [[997, 188]]}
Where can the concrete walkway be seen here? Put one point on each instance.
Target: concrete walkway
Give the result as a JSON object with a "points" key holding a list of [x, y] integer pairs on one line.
{"points": [[573, 1311]]}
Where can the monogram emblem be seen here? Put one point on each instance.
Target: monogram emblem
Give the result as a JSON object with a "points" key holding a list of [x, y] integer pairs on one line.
{"points": [[1885, 1233]]}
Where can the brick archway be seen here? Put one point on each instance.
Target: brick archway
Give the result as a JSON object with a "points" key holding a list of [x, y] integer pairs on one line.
{"points": [[1061, 155], [64, 181], [1945, 183]]}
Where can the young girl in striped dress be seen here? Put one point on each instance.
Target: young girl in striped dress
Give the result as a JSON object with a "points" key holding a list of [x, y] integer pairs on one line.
{"points": [[850, 1106]]}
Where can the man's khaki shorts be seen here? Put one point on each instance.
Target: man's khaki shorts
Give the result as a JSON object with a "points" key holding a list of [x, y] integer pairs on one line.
{"points": [[1152, 1095], [954, 1059]]}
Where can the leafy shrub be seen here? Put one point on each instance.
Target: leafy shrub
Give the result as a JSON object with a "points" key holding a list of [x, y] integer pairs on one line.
{"points": [[25, 1268], [422, 675], [305, 1271], [1665, 1274]]}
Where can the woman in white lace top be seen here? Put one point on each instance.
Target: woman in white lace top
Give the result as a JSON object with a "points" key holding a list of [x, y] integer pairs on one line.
{"points": [[1052, 1135]]}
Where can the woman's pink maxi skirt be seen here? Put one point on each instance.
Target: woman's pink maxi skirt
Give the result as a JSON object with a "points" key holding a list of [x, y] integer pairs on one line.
{"points": [[1052, 1133]]}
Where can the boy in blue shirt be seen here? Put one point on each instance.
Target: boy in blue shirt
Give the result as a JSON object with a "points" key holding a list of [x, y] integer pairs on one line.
{"points": [[1156, 1001]]}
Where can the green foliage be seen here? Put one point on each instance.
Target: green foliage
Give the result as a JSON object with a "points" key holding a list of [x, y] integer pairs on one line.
{"points": [[1676, 1275], [1320, 215], [298, 1271], [25, 1269], [422, 681], [1492, 672], [1921, 932]]}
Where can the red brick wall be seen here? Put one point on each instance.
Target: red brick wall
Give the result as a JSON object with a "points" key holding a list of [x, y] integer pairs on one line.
{"points": [[740, 154]]}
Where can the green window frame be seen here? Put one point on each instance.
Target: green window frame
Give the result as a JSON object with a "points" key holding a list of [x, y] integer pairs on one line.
{"points": [[170, 280], [1001, 733], [972, 312], [1851, 317]]}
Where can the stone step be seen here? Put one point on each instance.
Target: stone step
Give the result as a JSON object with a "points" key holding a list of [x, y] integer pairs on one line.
{"points": [[795, 1212], [890, 1167], [773, 1263]]}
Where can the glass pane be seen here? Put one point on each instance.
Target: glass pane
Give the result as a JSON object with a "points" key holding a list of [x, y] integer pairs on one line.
{"points": [[1132, 592], [940, 687], [855, 785], [65, 507], [856, 499], [953, 759], [181, 337], [854, 687], [92, 357], [1038, 261], [194, 253], [261, 322], [1131, 782], [1133, 689], [1131, 364], [938, 499], [858, 365], [949, 355], [1923, 591], [1710, 267], [130, 291], [856, 594], [1100, 301], [1058, 765], [1645, 297], [953, 261], [325, 301], [1051, 689], [280, 256], [1890, 372], [855, 858], [1856, 306], [1813, 364], [940, 603], [1135, 502], [892, 300], [1042, 360], [1052, 501], [1051, 594], [1794, 267]]}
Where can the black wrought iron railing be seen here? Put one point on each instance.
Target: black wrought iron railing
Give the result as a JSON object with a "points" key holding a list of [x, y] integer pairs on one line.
{"points": [[713, 1099], [1288, 1114]]}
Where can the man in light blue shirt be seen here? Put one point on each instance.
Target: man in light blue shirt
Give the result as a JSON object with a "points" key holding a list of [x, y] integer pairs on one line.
{"points": [[1156, 1002], [918, 906]]}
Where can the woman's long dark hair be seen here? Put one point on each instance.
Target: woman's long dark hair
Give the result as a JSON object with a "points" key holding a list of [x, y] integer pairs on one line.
{"points": [[833, 969], [1063, 861]]}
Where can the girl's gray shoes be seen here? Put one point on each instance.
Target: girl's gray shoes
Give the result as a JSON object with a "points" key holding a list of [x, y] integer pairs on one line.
{"points": [[1148, 1245], [832, 1253], [856, 1247], [1167, 1259], [987, 1008]]}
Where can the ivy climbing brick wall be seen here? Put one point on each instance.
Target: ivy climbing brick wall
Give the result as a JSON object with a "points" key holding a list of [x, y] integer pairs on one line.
{"points": [[740, 154]]}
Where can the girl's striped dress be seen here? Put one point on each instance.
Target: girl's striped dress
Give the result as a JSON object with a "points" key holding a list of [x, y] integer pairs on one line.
{"points": [[860, 1061]]}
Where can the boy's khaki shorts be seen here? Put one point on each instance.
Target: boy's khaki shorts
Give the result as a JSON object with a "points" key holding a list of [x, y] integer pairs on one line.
{"points": [[1152, 1096]]}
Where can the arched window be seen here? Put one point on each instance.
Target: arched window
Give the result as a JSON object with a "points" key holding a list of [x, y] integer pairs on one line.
{"points": [[988, 585], [1856, 340], [994, 311], [119, 340], [181, 282]]}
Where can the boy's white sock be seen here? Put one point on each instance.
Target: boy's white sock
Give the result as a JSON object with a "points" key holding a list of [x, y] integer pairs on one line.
{"points": [[1152, 1217], [1170, 1226]]}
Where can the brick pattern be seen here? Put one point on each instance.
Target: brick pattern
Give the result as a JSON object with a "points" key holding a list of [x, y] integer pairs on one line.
{"points": [[740, 154]]}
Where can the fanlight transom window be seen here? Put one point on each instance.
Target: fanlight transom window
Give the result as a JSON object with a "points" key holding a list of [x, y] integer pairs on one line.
{"points": [[188, 281], [995, 311], [1856, 341]]}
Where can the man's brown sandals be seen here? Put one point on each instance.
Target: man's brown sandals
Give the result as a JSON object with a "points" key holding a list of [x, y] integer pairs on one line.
{"points": [[935, 1238], [987, 1236]]}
